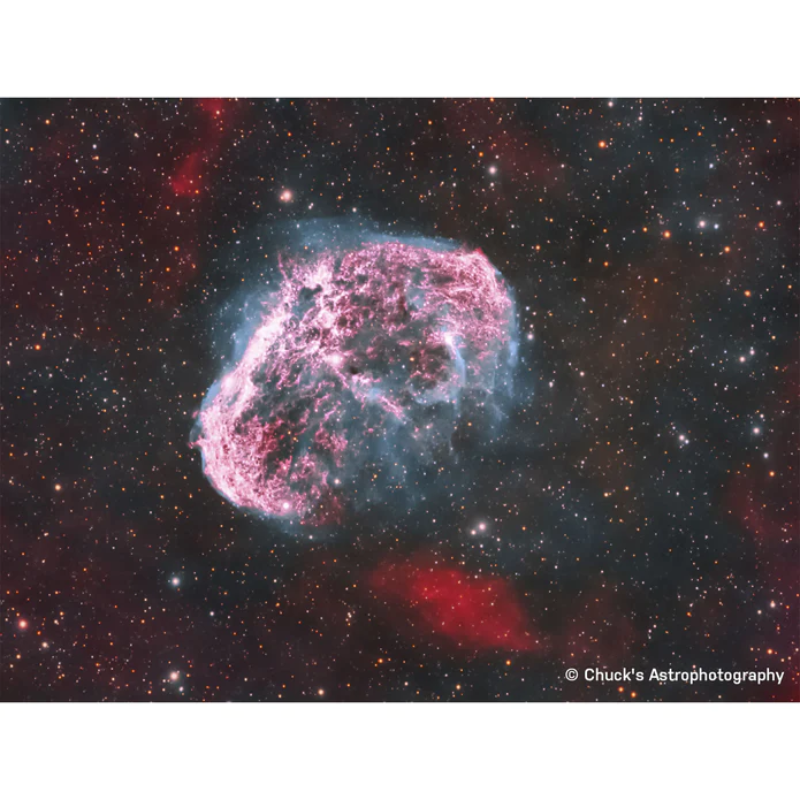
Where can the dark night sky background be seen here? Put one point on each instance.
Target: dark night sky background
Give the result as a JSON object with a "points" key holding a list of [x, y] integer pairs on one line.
{"points": [[640, 506]]}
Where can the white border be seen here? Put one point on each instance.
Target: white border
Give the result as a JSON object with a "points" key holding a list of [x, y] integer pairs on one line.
{"points": [[413, 48], [397, 751]]}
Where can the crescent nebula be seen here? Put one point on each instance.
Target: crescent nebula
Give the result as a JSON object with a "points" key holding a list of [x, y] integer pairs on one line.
{"points": [[363, 363]]}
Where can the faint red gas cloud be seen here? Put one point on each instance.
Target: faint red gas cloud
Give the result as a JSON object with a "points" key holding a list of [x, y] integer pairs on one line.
{"points": [[474, 612], [187, 180], [762, 492]]}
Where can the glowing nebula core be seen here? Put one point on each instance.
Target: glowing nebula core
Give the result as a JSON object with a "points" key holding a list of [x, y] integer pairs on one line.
{"points": [[361, 360]]}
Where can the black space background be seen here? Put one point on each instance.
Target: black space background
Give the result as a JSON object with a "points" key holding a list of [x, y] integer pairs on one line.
{"points": [[624, 545]]}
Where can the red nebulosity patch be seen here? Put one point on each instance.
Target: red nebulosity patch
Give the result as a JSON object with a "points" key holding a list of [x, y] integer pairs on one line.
{"points": [[769, 514], [188, 177], [475, 612], [762, 494], [213, 106], [187, 180], [748, 502]]}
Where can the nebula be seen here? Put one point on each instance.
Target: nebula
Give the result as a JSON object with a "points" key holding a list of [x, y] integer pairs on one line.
{"points": [[475, 612], [361, 366]]}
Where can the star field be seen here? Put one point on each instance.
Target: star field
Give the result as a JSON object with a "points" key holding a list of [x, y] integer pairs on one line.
{"points": [[638, 507]]}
